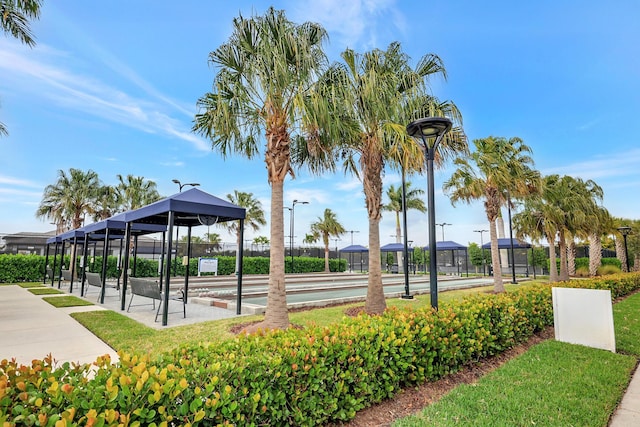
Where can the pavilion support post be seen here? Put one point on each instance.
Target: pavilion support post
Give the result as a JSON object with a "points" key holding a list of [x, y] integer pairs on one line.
{"points": [[167, 275], [163, 248], [103, 274], [186, 273], [53, 269], [119, 264], [85, 252], [61, 264], [46, 264], [72, 262], [125, 277], [240, 254], [135, 253]]}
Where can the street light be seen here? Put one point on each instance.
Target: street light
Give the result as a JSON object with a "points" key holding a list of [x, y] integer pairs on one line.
{"points": [[481, 248], [175, 260], [291, 231], [625, 231], [442, 224], [513, 256], [424, 130]]}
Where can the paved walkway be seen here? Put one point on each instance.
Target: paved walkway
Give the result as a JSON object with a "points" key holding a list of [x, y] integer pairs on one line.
{"points": [[31, 328]]}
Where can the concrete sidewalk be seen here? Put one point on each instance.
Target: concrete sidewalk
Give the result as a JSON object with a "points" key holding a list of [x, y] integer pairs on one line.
{"points": [[628, 412], [31, 328]]}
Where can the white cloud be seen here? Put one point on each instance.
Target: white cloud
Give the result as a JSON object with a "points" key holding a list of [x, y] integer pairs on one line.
{"points": [[18, 181], [615, 165], [358, 23], [75, 91]]}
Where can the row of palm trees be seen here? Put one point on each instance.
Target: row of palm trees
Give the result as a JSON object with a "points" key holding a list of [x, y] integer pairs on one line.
{"points": [[79, 194], [274, 83]]}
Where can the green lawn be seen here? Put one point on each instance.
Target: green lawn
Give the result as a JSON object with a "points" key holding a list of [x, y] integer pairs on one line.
{"points": [[553, 384], [45, 291], [66, 301]]}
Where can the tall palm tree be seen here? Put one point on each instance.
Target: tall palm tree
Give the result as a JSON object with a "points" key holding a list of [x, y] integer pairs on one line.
{"points": [[325, 227], [254, 216], [372, 97], [602, 225], [14, 20], [498, 171], [70, 199], [135, 192], [265, 71], [578, 201], [106, 203], [412, 200]]}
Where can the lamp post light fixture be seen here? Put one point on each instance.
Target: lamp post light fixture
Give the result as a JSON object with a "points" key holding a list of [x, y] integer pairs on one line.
{"points": [[481, 248], [625, 231], [443, 224], [291, 230], [424, 131], [180, 186]]}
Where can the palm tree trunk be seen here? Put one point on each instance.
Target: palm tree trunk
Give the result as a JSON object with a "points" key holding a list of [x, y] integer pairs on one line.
{"points": [[504, 255], [620, 254], [326, 258], [276, 315], [595, 254], [553, 268], [375, 303], [498, 286], [562, 245], [571, 258]]}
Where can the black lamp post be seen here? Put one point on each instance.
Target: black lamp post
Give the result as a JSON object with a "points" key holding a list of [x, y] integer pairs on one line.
{"points": [[292, 211], [513, 257], [180, 185], [625, 231], [481, 248], [351, 253], [425, 130], [442, 224]]}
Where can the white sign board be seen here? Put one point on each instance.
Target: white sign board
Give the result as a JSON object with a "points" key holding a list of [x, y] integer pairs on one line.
{"points": [[207, 265], [584, 316]]}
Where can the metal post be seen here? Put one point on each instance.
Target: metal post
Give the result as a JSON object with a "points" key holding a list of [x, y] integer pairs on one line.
{"points": [[46, 264], [167, 276], [239, 289], [125, 266], [85, 253], [405, 261], [61, 264], [513, 258], [103, 275], [433, 273]]}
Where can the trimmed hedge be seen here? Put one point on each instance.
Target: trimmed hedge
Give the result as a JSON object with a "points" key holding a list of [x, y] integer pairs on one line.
{"points": [[30, 268], [293, 377]]}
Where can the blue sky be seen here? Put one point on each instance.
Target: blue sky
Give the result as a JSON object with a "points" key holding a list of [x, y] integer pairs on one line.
{"points": [[112, 87]]}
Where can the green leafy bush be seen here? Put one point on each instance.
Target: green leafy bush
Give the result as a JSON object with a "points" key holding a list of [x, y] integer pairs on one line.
{"points": [[30, 268], [304, 377]]}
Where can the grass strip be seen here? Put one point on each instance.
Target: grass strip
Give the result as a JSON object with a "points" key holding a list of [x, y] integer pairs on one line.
{"points": [[31, 285], [552, 384], [67, 301], [45, 291]]}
